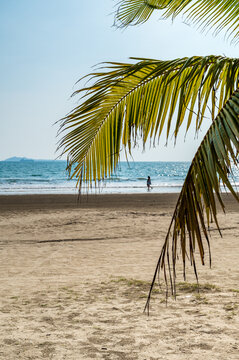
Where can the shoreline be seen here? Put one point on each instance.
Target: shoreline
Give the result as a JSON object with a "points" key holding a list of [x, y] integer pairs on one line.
{"points": [[161, 201], [63, 201]]}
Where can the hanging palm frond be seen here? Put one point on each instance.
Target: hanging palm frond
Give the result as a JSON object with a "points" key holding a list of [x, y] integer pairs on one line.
{"points": [[136, 11], [210, 167], [131, 100], [206, 14]]}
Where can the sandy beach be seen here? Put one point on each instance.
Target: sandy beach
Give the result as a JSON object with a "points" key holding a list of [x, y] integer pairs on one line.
{"points": [[75, 278]]}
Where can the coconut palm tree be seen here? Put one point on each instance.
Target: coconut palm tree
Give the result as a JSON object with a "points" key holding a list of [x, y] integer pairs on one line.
{"points": [[127, 101]]}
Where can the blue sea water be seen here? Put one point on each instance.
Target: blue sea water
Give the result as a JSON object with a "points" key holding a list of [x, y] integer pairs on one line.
{"points": [[50, 177]]}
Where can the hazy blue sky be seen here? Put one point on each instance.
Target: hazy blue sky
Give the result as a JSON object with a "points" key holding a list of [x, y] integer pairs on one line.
{"points": [[47, 45]]}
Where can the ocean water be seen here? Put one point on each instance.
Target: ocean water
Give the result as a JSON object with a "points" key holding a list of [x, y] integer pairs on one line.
{"points": [[50, 177]]}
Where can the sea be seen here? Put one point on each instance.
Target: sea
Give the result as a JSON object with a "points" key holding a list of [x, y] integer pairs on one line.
{"points": [[50, 177]]}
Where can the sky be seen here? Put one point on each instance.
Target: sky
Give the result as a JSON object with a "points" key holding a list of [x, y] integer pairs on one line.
{"points": [[46, 46]]}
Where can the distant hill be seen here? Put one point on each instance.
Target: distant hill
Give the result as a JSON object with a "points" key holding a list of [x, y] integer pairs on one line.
{"points": [[19, 159], [15, 158]]}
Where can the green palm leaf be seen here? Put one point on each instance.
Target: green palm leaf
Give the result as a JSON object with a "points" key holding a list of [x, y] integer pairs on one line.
{"points": [[210, 166], [206, 14], [141, 99]]}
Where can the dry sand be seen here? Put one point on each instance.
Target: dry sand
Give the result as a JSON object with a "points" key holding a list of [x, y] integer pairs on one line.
{"points": [[75, 277]]}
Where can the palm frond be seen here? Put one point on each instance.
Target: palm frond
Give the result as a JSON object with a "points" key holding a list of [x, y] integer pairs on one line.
{"points": [[206, 14], [197, 200], [141, 99]]}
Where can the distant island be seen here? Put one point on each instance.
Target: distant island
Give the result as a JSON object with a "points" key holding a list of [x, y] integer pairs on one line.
{"points": [[16, 158], [20, 159]]}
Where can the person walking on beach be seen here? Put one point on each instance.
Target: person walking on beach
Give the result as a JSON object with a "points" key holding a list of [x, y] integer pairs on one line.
{"points": [[149, 183]]}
